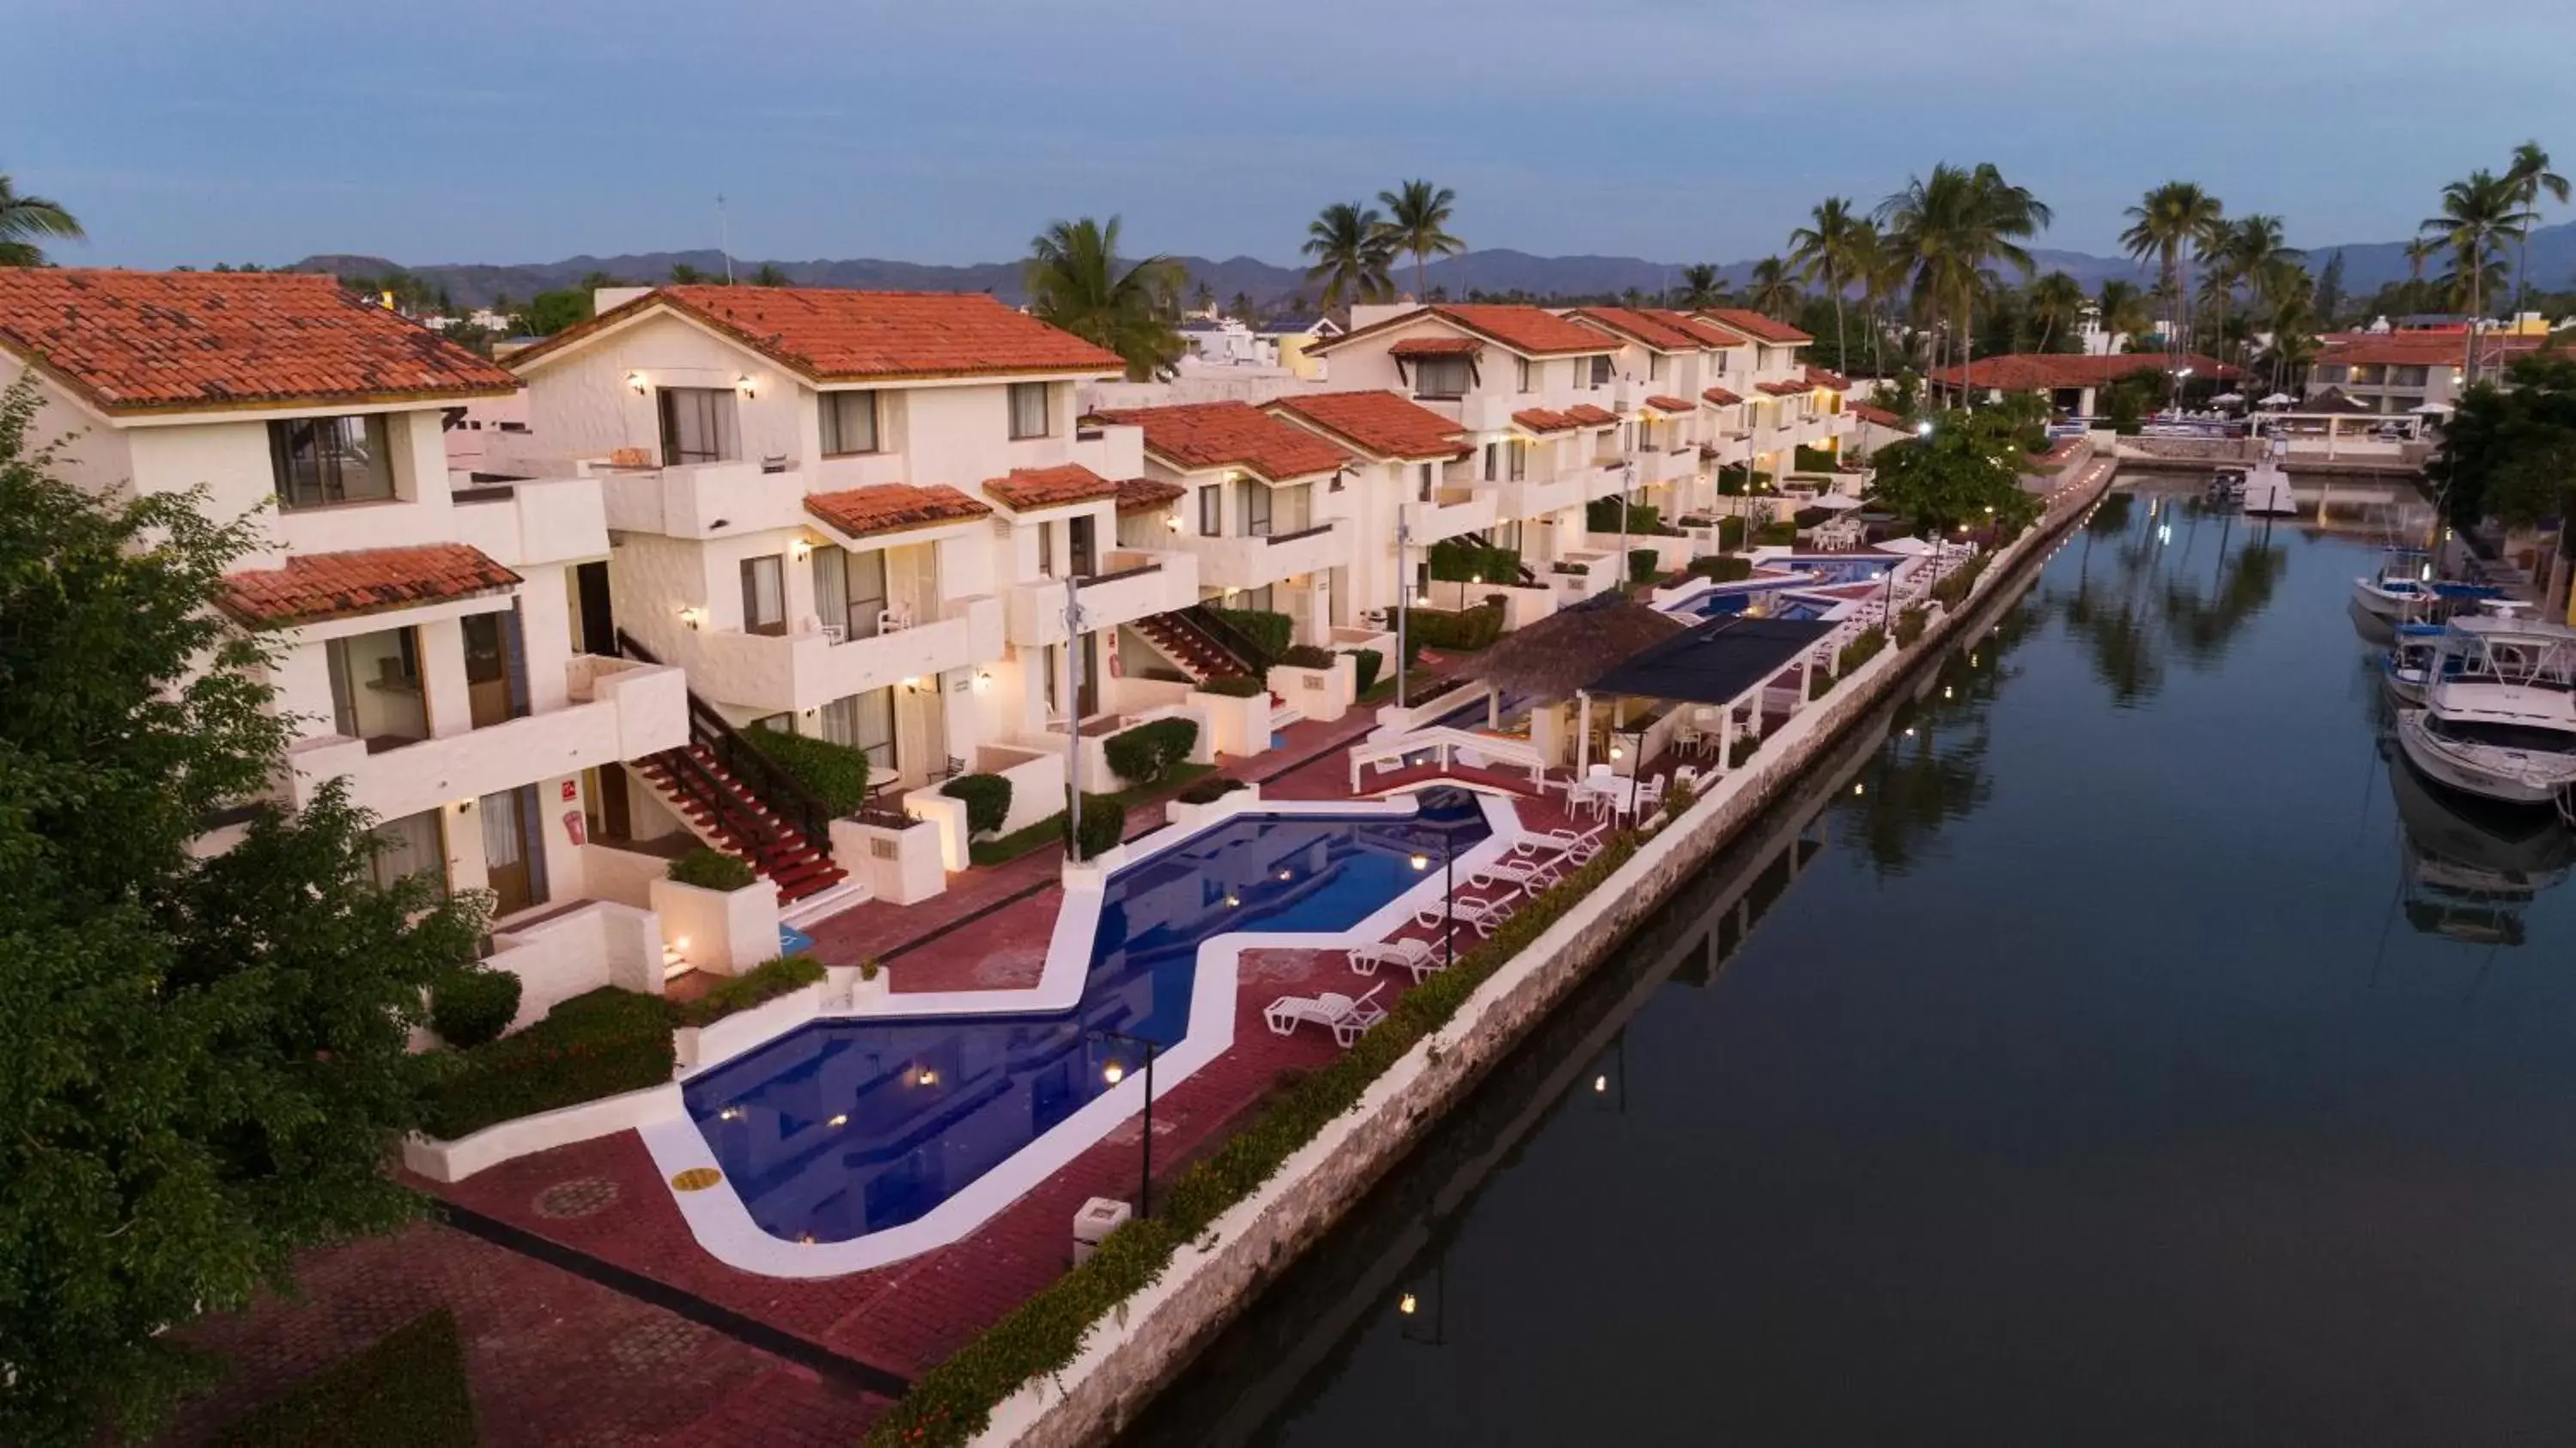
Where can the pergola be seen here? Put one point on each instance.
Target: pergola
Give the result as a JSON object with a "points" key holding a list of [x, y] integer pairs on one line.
{"points": [[2336, 415], [1727, 663], [1550, 662]]}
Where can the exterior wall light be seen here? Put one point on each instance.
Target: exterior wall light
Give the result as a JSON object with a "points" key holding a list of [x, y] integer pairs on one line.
{"points": [[636, 381], [743, 385]]}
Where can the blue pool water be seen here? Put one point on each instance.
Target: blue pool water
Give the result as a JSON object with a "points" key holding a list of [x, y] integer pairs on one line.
{"points": [[1839, 568], [846, 1128], [1733, 600]]}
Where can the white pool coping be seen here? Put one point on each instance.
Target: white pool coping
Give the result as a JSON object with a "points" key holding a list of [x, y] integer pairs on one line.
{"points": [[722, 1222]]}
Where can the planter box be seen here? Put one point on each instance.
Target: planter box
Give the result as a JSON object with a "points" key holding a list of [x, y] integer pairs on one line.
{"points": [[1323, 694], [699, 1046], [1234, 726], [723, 931], [898, 866], [1191, 816]]}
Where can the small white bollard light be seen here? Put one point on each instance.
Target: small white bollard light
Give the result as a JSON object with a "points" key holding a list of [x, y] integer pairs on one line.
{"points": [[1099, 1217]]}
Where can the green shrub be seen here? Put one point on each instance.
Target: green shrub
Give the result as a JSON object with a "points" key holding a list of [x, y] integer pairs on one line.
{"points": [[408, 1389], [988, 800], [1953, 590], [593, 1045], [1733, 479], [1307, 656], [1464, 560], [952, 1402], [764, 982], [1209, 790], [1814, 460], [1579, 570], [1742, 749], [473, 1006], [711, 870], [1909, 626], [1783, 533], [1234, 686], [1730, 532], [1461, 631], [1003, 850], [1364, 666], [1269, 632], [1820, 682], [1104, 824], [1144, 754], [1722, 567], [1601, 515], [1860, 650], [836, 773], [1642, 564]]}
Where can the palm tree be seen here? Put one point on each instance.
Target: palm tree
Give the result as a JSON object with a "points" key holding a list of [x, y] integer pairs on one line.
{"points": [[1884, 268], [2055, 300], [2419, 251], [1830, 246], [683, 274], [770, 276], [1352, 250], [2248, 252], [1203, 299], [1242, 309], [1417, 221], [24, 218], [1773, 290], [2530, 176], [2476, 213], [1951, 226], [2163, 222], [2123, 308], [1075, 282], [1700, 288]]}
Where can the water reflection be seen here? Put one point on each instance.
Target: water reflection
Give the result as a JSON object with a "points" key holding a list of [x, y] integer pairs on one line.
{"points": [[2470, 873], [1934, 768], [2177, 576]]}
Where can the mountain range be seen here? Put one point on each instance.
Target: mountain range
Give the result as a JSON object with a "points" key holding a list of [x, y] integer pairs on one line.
{"points": [[2367, 267]]}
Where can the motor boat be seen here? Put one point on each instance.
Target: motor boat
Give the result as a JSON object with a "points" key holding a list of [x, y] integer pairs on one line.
{"points": [[2499, 713], [2266, 491], [2228, 487], [2404, 668], [2403, 587]]}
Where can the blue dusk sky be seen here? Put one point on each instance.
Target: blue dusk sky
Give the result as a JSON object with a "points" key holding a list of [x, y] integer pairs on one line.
{"points": [[1676, 130]]}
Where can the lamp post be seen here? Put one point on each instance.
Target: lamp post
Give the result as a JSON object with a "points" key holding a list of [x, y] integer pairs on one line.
{"points": [[1403, 585], [1116, 1072], [1073, 716], [1627, 480], [1448, 896]]}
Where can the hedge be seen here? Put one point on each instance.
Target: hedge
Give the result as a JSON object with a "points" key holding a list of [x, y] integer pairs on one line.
{"points": [[1464, 560], [1820, 682], [765, 982], [1104, 824], [1144, 754], [711, 870], [988, 800], [1462, 631], [1783, 533], [1307, 656], [1601, 515], [1954, 589], [474, 1005], [1234, 686], [836, 773], [1814, 460], [954, 1401], [1643, 564], [1909, 626], [1860, 650], [1364, 666], [1742, 749], [593, 1045], [1209, 790], [1722, 567], [1269, 632], [1730, 532], [1006, 848], [1732, 480], [409, 1388]]}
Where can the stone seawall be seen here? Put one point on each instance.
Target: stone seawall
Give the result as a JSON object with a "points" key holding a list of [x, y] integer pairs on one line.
{"points": [[1154, 1336]]}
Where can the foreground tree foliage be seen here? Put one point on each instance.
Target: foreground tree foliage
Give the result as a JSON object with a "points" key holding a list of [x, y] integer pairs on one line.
{"points": [[2510, 453], [202, 1062], [1968, 471]]}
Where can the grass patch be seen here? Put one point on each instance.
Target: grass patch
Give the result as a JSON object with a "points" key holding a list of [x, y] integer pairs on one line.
{"points": [[596, 1044], [406, 1391]]}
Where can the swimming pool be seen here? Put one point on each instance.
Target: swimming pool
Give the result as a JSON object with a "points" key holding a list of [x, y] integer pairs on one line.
{"points": [[843, 1128]]}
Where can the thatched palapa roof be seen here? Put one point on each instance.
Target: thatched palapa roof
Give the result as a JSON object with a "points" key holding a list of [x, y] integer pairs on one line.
{"points": [[1561, 654]]}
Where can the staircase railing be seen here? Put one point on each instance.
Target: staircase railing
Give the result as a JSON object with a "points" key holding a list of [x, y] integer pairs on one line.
{"points": [[1247, 651], [739, 757]]}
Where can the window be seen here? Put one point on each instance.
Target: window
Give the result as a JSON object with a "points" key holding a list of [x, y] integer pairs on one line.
{"points": [[1522, 379], [375, 688], [496, 667], [864, 722], [1256, 510], [1491, 460], [1046, 550], [850, 590], [1600, 371], [1440, 377], [1654, 366], [2407, 377], [1422, 482], [1519, 460], [764, 595], [849, 423], [1028, 410], [1211, 512], [697, 425], [412, 845], [322, 462]]}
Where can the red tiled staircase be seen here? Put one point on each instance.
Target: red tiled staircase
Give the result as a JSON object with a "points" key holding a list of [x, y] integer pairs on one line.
{"points": [[1191, 648], [729, 816]]}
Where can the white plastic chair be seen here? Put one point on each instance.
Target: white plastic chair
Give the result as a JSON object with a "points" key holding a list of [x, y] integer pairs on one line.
{"points": [[1365, 959], [1344, 1016]]}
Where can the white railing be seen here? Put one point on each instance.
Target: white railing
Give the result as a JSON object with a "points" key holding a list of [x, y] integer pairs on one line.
{"points": [[1447, 745]]}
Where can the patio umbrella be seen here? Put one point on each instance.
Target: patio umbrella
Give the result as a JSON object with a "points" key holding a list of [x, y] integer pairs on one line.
{"points": [[1552, 659], [1835, 503], [1911, 547], [2278, 399], [2228, 399]]}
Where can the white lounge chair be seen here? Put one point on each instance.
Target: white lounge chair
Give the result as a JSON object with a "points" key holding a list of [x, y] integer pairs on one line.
{"points": [[1583, 845], [1519, 874], [1345, 1016], [1479, 915], [1411, 954]]}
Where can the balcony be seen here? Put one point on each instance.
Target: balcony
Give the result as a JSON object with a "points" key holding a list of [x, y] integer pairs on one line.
{"points": [[1133, 584], [1450, 512], [775, 673], [1251, 561], [551, 520], [619, 710], [1533, 498], [699, 500]]}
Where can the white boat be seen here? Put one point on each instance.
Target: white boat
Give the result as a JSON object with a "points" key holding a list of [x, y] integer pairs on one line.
{"points": [[2404, 668], [2403, 588], [2267, 487], [2499, 712]]}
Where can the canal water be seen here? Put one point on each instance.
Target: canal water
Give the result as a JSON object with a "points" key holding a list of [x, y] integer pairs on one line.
{"points": [[2112, 1047]]}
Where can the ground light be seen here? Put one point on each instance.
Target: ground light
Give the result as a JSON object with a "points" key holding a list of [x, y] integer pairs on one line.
{"points": [[1115, 1072], [1448, 897]]}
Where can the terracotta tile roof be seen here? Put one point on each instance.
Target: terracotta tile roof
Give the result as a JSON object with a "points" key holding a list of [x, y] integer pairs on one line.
{"points": [[1192, 436], [2418, 349], [1759, 327], [1721, 397], [1024, 489], [1708, 333], [1436, 347], [131, 342], [887, 507], [1588, 415], [1380, 424], [1785, 389], [829, 335], [1878, 416], [2042, 371], [1540, 419], [1530, 331], [317, 586], [1143, 495], [1829, 380], [1661, 403], [1640, 327]]}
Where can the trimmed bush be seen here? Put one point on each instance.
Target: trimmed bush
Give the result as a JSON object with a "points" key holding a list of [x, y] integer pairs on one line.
{"points": [[1730, 532], [1742, 749], [1782, 533], [596, 1044], [764, 982], [1860, 650], [1104, 824], [1464, 560], [1733, 479], [1722, 567], [473, 1006], [836, 773], [1642, 564], [1579, 570], [1209, 790], [1006, 848], [1814, 460], [1463, 631], [711, 870], [1954, 589], [1144, 754], [1601, 515], [1820, 682], [1364, 666], [1234, 686], [988, 800], [1269, 632], [1910, 625], [408, 1389], [1307, 656]]}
